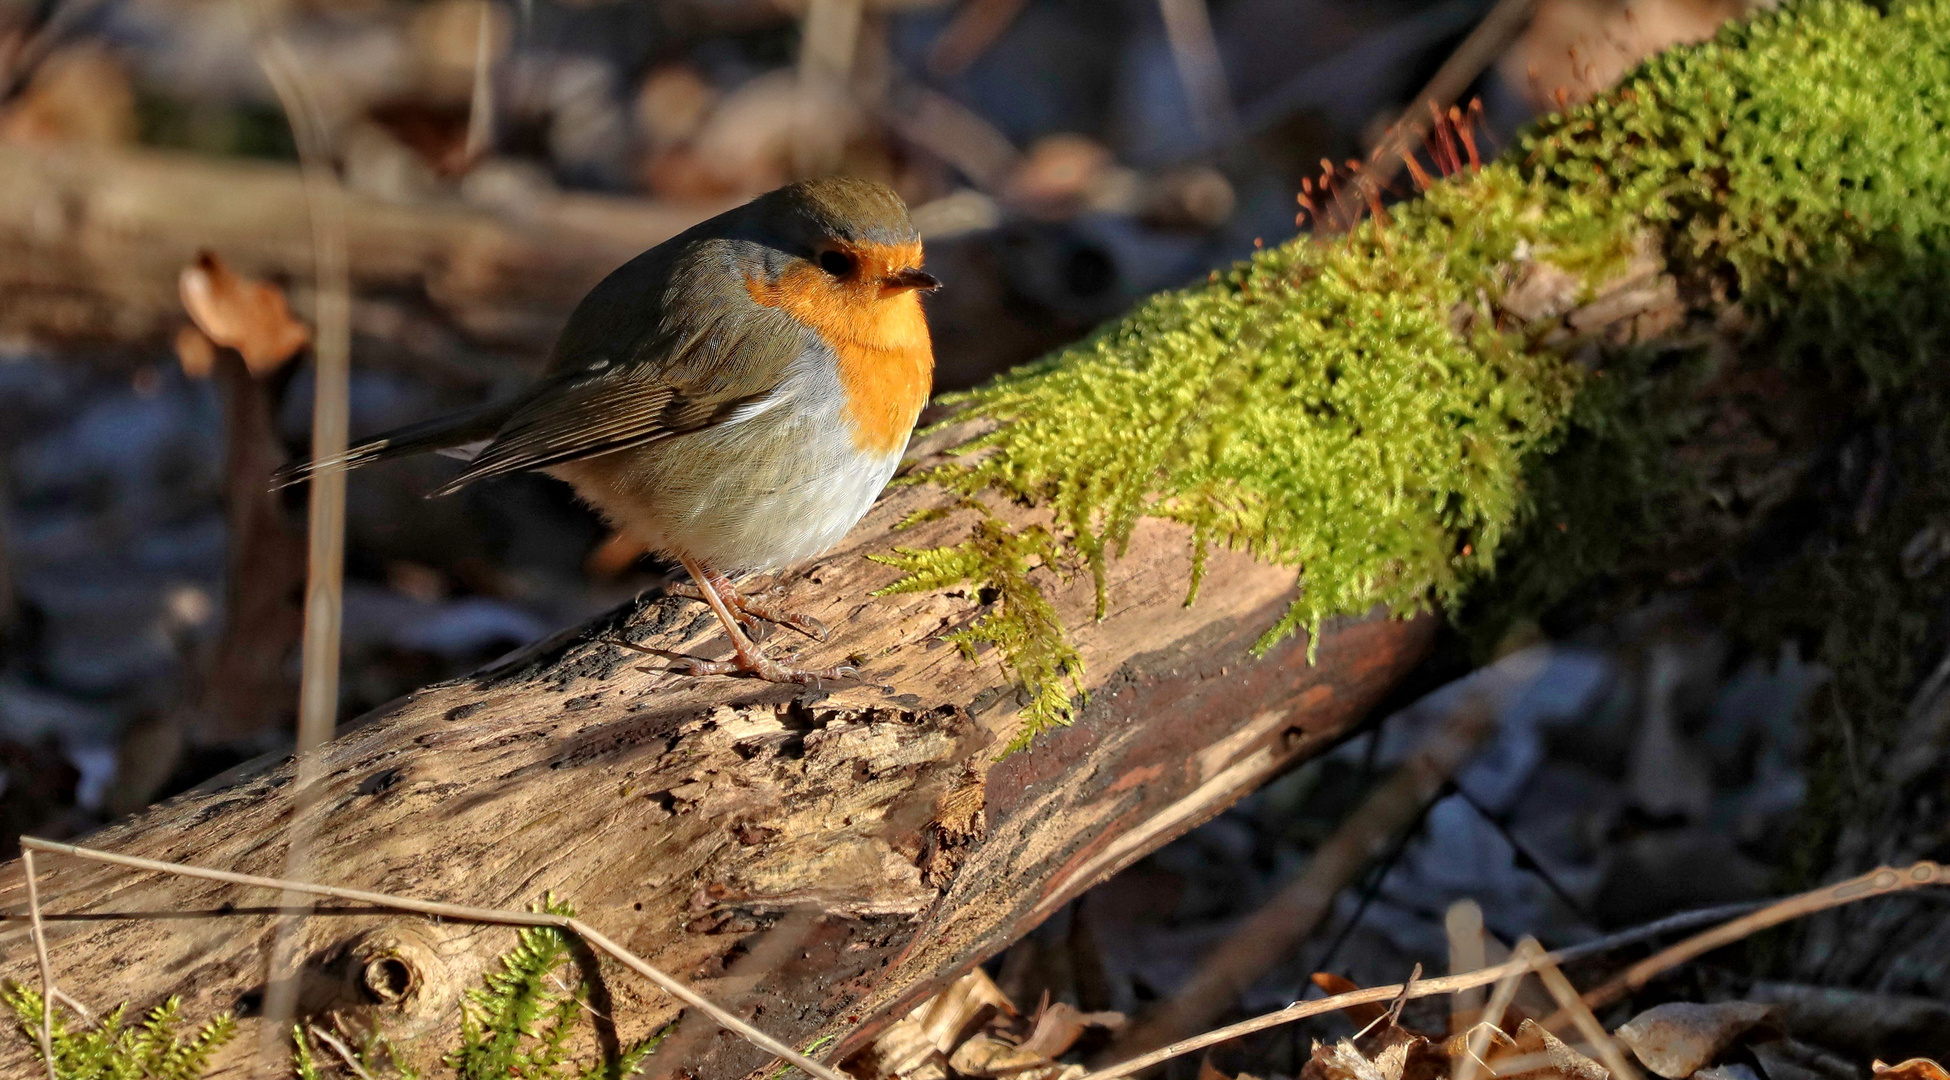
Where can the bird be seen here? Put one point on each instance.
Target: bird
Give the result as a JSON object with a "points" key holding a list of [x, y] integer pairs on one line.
{"points": [[734, 398]]}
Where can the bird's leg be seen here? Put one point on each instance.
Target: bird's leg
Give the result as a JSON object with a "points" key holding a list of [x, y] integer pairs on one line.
{"points": [[746, 657], [750, 606]]}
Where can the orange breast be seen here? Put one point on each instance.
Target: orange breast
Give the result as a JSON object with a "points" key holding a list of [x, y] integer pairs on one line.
{"points": [[886, 361]]}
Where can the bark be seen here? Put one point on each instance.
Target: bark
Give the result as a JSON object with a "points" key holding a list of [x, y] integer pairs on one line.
{"points": [[868, 824]]}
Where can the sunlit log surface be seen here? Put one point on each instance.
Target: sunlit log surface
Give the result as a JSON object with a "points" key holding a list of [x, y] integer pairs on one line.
{"points": [[688, 817]]}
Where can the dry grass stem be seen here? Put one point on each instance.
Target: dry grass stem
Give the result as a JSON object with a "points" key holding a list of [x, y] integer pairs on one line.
{"points": [[466, 913], [47, 970], [1195, 52], [318, 686], [1278, 927], [1491, 1018], [480, 105], [1876, 883], [87, 1014], [338, 1047], [1594, 1032], [1463, 924]]}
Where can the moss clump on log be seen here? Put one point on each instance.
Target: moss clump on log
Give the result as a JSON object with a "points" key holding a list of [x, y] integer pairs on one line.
{"points": [[1364, 410]]}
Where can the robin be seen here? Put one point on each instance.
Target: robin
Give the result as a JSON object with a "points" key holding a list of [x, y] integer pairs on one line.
{"points": [[735, 397]]}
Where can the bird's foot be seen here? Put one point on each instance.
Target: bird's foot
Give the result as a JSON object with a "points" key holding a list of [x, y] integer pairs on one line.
{"points": [[749, 610], [750, 664]]}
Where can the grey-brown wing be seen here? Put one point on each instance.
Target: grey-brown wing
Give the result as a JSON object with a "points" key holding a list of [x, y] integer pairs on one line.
{"points": [[718, 353]]}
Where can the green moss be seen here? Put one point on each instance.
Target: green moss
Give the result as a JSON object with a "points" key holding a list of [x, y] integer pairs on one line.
{"points": [[1019, 622], [1335, 408], [115, 1050], [521, 1021]]}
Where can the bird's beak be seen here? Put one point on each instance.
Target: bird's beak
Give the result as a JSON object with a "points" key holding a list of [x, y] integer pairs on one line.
{"points": [[903, 280]]}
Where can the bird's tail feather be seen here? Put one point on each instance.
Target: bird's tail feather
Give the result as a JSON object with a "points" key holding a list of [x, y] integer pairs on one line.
{"points": [[439, 433]]}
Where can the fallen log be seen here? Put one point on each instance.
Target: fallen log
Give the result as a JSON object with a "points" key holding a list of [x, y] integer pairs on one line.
{"points": [[689, 817], [1374, 416]]}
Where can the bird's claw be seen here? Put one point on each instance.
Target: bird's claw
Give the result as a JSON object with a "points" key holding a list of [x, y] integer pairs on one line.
{"points": [[750, 611], [752, 666]]}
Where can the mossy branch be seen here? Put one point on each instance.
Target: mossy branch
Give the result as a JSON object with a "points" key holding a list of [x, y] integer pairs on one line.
{"points": [[1367, 411]]}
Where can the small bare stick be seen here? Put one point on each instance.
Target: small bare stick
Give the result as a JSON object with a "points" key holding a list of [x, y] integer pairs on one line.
{"points": [[81, 1010], [338, 1047], [1464, 925], [1492, 1019], [498, 916], [47, 970], [1506, 988], [1876, 883], [1587, 1024]]}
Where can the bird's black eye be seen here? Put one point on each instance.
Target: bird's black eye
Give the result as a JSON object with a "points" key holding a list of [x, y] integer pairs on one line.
{"points": [[836, 263]]}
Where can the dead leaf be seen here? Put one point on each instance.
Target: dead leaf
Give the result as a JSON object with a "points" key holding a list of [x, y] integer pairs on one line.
{"points": [[196, 352], [1913, 1069], [1344, 1061], [1333, 985], [910, 1045], [243, 313], [1060, 1026], [1555, 1056], [1679, 1038], [986, 1055]]}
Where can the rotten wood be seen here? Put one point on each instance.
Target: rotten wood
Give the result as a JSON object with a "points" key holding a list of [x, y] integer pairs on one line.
{"points": [[692, 819]]}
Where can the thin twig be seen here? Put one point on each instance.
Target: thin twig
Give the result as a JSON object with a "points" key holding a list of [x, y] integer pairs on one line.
{"points": [[1875, 883], [1478, 1042], [1478, 51], [1878, 882], [1284, 922], [1463, 924], [497, 916], [318, 685], [1594, 1033], [480, 107], [1378, 876], [1195, 52], [87, 1014], [338, 1047], [47, 969]]}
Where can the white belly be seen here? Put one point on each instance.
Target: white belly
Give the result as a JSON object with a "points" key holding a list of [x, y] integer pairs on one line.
{"points": [[762, 493]]}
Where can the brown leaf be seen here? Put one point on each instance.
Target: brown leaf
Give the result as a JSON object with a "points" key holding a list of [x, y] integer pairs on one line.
{"points": [[243, 313], [1060, 1026], [1679, 1038], [1362, 1015], [986, 1055], [1553, 1056], [1343, 1061], [1913, 1069], [196, 352]]}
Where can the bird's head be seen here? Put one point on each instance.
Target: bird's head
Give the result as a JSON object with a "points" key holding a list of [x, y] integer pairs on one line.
{"points": [[850, 239]]}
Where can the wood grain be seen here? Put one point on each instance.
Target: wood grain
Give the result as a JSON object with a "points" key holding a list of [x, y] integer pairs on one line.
{"points": [[859, 840]]}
